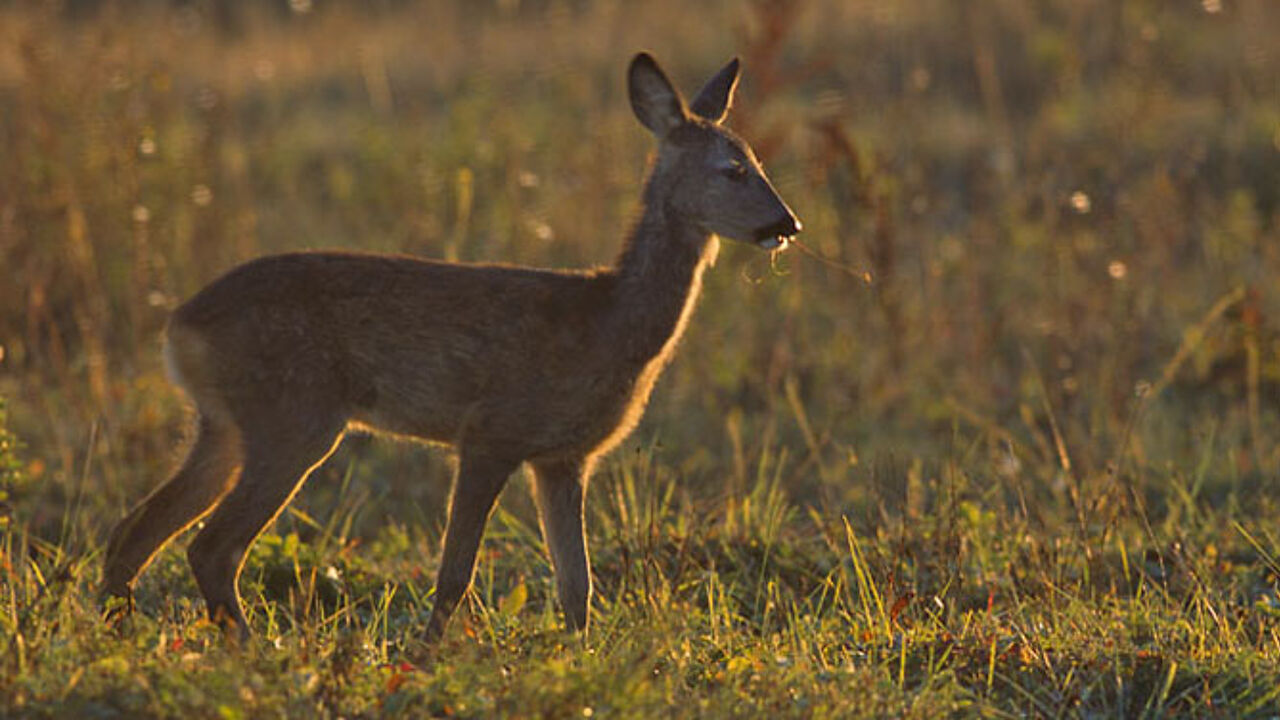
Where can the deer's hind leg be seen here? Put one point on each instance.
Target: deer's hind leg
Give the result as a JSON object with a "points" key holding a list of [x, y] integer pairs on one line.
{"points": [[205, 476], [560, 491], [280, 451]]}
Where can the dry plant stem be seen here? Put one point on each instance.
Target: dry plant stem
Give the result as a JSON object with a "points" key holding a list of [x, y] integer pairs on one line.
{"points": [[847, 269], [1192, 337]]}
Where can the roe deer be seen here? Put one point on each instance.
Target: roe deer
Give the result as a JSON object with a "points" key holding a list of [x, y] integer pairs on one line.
{"points": [[507, 364]]}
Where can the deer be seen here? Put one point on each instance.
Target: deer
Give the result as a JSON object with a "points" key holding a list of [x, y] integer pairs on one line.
{"points": [[507, 365]]}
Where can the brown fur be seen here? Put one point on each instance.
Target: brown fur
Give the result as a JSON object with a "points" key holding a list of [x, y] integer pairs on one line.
{"points": [[506, 364]]}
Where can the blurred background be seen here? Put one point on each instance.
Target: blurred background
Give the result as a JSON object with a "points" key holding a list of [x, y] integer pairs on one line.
{"points": [[1055, 223]]}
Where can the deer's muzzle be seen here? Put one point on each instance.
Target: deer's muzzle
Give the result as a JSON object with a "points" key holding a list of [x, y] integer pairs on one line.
{"points": [[772, 237]]}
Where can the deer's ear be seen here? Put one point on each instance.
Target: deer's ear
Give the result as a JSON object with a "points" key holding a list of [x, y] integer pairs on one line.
{"points": [[715, 98], [655, 102]]}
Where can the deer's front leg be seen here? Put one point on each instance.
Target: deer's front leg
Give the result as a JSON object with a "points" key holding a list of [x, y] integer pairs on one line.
{"points": [[561, 488], [480, 479]]}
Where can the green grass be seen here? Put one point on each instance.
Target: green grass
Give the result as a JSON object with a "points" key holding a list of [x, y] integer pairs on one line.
{"points": [[1018, 453]]}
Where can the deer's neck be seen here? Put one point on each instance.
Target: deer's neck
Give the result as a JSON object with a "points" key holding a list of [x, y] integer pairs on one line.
{"points": [[659, 277]]}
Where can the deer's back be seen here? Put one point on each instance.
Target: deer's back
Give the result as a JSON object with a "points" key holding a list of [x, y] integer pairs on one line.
{"points": [[434, 350]]}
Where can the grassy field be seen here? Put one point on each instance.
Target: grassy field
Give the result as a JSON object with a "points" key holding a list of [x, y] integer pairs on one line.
{"points": [[1015, 450]]}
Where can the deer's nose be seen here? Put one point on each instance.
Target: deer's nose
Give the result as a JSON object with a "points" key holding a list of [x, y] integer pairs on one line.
{"points": [[786, 227]]}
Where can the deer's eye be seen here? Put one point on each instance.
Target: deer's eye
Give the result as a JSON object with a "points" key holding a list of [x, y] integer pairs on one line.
{"points": [[735, 171]]}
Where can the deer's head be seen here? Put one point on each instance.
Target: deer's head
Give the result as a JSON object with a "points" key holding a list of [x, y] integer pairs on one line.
{"points": [[705, 173]]}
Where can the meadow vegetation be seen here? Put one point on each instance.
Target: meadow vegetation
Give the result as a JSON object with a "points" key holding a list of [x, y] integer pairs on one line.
{"points": [[1014, 450]]}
